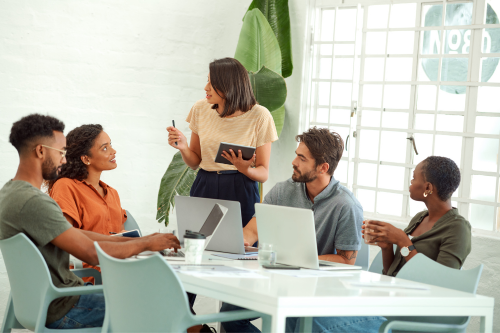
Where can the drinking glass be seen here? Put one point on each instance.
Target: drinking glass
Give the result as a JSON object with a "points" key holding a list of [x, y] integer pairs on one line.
{"points": [[368, 237], [267, 255]]}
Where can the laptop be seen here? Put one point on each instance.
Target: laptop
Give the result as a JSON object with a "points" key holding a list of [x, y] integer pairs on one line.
{"points": [[229, 235], [293, 235], [208, 228]]}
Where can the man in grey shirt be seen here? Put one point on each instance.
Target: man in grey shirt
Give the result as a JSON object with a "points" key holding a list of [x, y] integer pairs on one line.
{"points": [[338, 217]]}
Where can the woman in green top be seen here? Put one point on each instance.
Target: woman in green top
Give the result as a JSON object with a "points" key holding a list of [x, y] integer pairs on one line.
{"points": [[439, 232]]}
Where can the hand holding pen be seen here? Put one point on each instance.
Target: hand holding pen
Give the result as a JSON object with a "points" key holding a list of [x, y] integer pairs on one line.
{"points": [[175, 137]]}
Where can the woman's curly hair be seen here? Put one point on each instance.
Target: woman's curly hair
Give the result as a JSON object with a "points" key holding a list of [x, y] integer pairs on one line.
{"points": [[78, 143], [443, 173]]}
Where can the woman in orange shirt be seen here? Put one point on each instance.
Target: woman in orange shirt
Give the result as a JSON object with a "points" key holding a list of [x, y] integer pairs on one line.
{"points": [[86, 201]]}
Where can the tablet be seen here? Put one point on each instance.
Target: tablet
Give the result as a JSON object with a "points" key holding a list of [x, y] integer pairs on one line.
{"points": [[224, 146]]}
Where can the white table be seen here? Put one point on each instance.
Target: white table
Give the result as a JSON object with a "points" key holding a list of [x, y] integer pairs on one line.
{"points": [[283, 296]]}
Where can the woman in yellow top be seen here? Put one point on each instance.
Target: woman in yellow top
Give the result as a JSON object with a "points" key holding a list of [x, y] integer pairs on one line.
{"points": [[229, 113]]}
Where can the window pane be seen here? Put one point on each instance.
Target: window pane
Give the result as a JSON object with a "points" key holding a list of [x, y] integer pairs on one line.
{"points": [[449, 146], [458, 14], [482, 217], [490, 37], [426, 98], [395, 120], [327, 24], [342, 68], [340, 116], [389, 203], [485, 154], [400, 42], [432, 15], [483, 188], [391, 177], [488, 125], [398, 69], [424, 144], [489, 70], [451, 98], [375, 42], [393, 146], [397, 97], [424, 122], [367, 174], [487, 99], [324, 49], [416, 207], [403, 15], [342, 131], [372, 95], [325, 69], [368, 146], [374, 69], [454, 70], [370, 118], [449, 123], [367, 199], [430, 42], [457, 41], [323, 93], [321, 115], [344, 49], [341, 172], [346, 25], [428, 69], [341, 94], [378, 16]]}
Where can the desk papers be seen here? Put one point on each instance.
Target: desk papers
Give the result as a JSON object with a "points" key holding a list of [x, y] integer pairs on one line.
{"points": [[218, 271]]}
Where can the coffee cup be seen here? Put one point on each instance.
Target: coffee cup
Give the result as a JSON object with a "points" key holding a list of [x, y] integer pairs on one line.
{"points": [[194, 244]]}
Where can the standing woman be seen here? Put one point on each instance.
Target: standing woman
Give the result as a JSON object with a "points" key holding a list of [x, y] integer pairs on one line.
{"points": [[229, 113]]}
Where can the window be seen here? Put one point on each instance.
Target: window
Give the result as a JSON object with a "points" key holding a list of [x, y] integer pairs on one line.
{"points": [[395, 79]]}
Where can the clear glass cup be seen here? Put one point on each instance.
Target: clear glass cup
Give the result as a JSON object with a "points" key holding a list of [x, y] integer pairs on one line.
{"points": [[267, 255], [368, 238]]}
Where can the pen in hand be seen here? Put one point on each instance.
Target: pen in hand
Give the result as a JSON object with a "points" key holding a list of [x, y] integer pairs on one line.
{"points": [[173, 124], [112, 233]]}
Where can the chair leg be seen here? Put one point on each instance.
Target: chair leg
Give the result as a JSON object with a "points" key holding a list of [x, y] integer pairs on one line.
{"points": [[9, 319]]}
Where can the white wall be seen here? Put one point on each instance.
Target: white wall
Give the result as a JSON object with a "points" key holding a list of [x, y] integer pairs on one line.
{"points": [[133, 66]]}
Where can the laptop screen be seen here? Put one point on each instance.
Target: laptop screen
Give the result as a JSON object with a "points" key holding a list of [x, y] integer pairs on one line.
{"points": [[212, 221]]}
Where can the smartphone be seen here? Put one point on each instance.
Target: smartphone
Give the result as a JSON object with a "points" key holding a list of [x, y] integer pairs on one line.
{"points": [[279, 266]]}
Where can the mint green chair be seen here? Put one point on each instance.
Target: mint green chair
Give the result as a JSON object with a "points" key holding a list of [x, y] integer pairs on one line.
{"points": [[363, 256], [422, 269], [131, 223], [377, 264], [145, 295], [31, 286]]}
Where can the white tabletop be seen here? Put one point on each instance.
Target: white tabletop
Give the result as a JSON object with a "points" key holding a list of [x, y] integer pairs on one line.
{"points": [[284, 296]]}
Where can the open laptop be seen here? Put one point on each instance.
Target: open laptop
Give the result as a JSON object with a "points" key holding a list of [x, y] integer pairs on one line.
{"points": [[229, 236], [293, 235], [208, 228]]}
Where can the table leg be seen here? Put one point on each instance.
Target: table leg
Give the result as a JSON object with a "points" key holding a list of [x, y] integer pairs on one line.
{"points": [[275, 323], [306, 324], [487, 323]]}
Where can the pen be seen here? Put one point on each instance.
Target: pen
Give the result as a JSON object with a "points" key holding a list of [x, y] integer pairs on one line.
{"points": [[173, 124], [112, 233]]}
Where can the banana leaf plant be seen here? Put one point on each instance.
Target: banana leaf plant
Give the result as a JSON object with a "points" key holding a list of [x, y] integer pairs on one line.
{"points": [[259, 51]]}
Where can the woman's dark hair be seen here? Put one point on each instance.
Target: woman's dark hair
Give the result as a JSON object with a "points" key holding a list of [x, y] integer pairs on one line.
{"points": [[325, 146], [443, 173], [230, 81], [78, 143], [27, 130]]}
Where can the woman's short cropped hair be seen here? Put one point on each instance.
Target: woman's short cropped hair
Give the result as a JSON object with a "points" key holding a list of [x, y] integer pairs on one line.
{"points": [[231, 82], [325, 146], [443, 173]]}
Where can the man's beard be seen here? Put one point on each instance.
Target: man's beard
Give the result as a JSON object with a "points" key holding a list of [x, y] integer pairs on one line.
{"points": [[304, 178], [49, 170]]}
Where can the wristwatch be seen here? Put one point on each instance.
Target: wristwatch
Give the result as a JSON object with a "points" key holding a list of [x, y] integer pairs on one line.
{"points": [[405, 251]]}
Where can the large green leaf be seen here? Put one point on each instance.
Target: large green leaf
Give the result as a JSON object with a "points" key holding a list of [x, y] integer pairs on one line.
{"points": [[278, 16], [257, 44], [177, 180], [279, 119], [269, 88]]}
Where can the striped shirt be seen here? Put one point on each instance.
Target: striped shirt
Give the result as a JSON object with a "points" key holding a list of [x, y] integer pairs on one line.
{"points": [[254, 128]]}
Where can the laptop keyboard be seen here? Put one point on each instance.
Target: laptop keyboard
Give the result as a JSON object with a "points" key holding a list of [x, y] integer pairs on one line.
{"points": [[172, 254]]}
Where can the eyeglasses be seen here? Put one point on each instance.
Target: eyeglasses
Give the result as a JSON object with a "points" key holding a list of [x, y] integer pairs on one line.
{"points": [[63, 152]]}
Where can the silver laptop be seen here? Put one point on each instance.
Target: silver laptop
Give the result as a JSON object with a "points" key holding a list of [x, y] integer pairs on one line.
{"points": [[191, 212], [293, 235]]}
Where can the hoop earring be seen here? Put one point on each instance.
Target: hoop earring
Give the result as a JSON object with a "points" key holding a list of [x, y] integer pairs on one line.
{"points": [[425, 194]]}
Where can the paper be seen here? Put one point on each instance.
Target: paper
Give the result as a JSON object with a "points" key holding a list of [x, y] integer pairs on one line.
{"points": [[385, 285], [223, 274], [305, 273], [237, 256]]}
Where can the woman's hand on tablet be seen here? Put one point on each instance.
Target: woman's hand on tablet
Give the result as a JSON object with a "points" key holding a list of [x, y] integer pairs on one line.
{"points": [[238, 161], [174, 135]]}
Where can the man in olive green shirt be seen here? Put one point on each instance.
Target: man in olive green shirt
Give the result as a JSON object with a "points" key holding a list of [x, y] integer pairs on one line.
{"points": [[41, 143]]}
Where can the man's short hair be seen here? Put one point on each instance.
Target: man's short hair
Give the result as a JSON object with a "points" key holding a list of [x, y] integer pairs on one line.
{"points": [[28, 129], [325, 146]]}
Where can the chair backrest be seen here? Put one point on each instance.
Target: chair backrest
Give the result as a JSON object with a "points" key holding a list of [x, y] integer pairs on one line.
{"points": [[425, 270], [363, 256], [29, 277], [131, 223], [377, 264], [142, 295]]}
